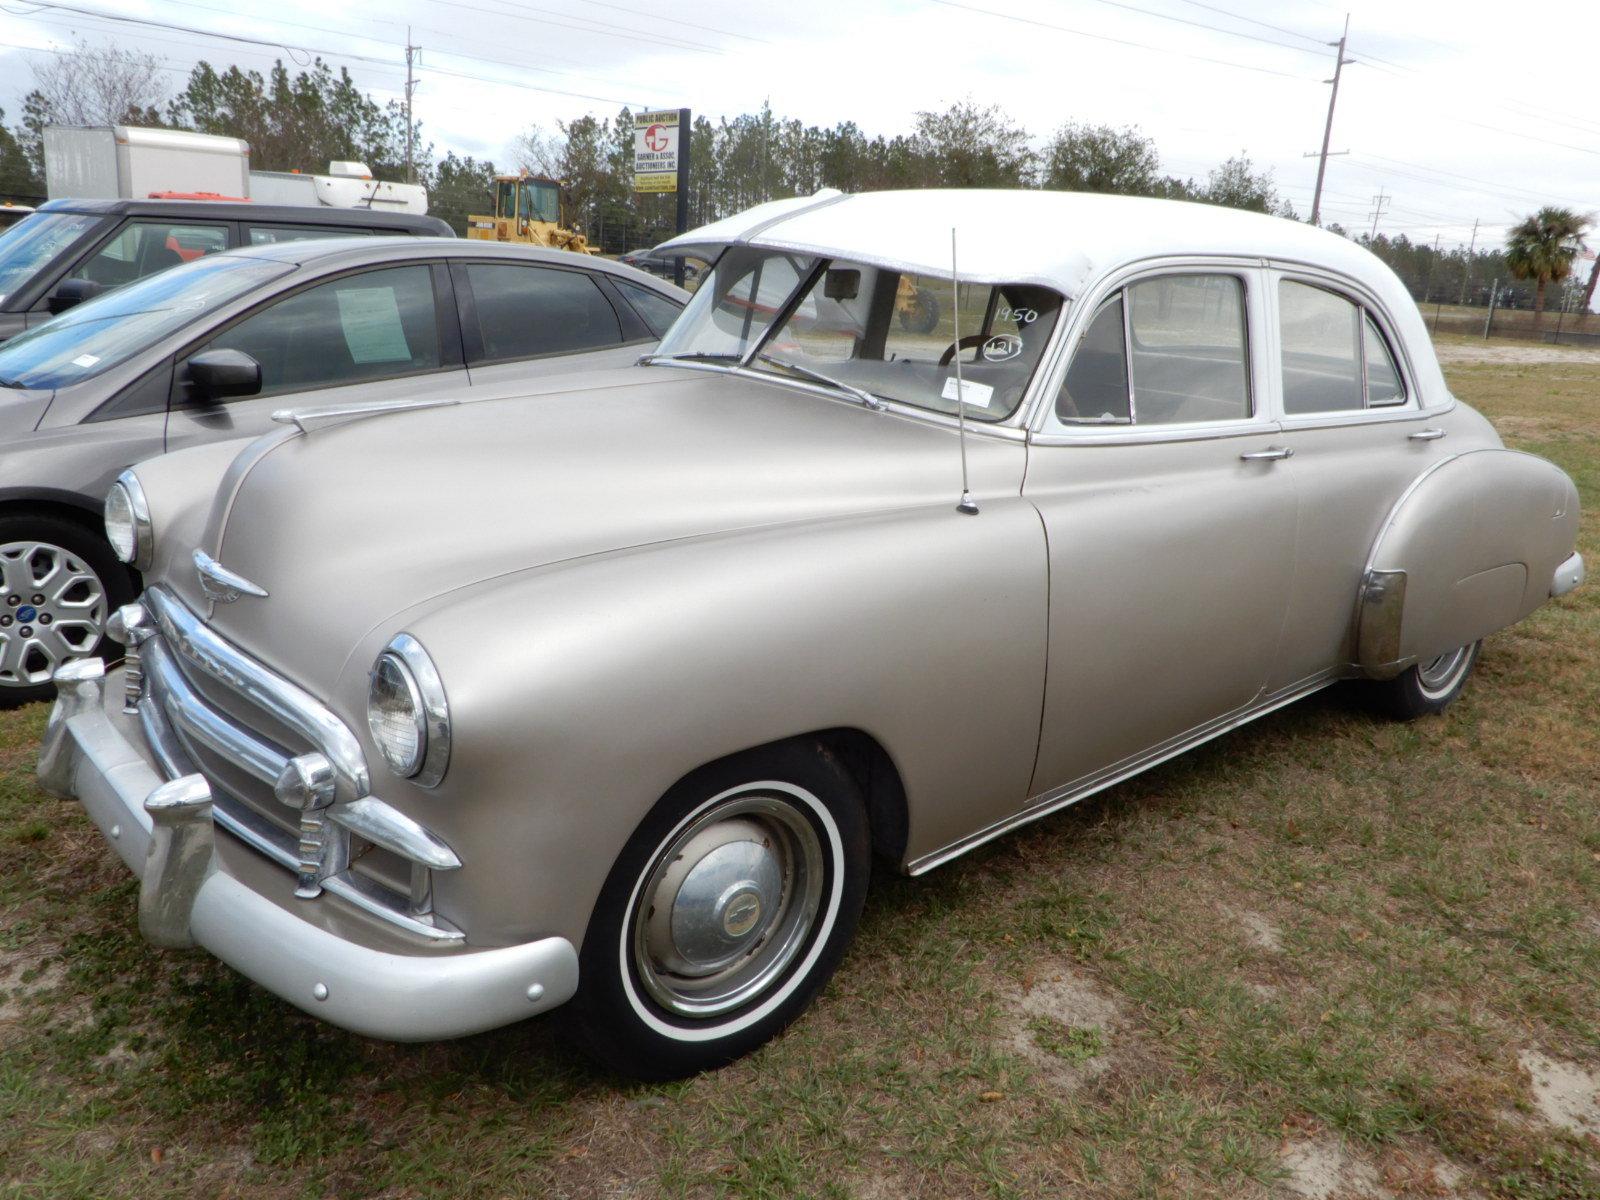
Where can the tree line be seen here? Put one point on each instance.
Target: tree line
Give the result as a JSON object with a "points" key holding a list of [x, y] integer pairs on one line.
{"points": [[305, 118]]}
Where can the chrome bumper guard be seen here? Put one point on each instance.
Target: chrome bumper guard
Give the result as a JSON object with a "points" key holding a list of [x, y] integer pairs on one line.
{"points": [[163, 829], [328, 787], [1569, 575]]}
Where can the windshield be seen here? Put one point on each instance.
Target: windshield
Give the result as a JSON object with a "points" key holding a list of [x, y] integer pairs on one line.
{"points": [[541, 202], [103, 332], [891, 334], [30, 245]]}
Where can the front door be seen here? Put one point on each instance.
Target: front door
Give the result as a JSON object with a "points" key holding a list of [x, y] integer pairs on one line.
{"points": [[378, 334], [1171, 528]]}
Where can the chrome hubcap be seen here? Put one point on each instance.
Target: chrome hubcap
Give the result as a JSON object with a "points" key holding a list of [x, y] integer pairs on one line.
{"points": [[52, 610], [1444, 672], [727, 904]]}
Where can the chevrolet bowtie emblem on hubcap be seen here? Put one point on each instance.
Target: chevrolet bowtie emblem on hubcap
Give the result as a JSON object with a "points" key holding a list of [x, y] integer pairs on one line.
{"points": [[221, 584]]}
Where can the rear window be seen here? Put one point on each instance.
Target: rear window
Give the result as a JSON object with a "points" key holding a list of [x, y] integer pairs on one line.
{"points": [[657, 310], [528, 312]]}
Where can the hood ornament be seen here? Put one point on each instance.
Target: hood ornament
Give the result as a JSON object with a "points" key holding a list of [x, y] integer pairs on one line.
{"points": [[219, 583]]}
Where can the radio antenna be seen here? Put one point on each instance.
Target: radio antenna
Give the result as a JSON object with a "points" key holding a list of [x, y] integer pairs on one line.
{"points": [[966, 504]]}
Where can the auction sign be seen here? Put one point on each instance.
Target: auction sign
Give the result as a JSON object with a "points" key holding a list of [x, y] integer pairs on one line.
{"points": [[656, 143]]}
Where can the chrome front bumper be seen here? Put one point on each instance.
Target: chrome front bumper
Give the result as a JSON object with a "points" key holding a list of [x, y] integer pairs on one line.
{"points": [[164, 831]]}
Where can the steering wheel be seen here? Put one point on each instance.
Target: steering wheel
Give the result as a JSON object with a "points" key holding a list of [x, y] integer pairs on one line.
{"points": [[966, 343]]}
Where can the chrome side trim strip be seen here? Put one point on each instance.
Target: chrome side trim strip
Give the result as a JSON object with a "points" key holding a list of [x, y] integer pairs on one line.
{"points": [[285, 702], [299, 416], [1057, 799]]}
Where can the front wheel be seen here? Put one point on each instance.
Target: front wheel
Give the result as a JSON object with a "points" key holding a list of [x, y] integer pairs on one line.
{"points": [[726, 912], [59, 583], [1426, 688]]}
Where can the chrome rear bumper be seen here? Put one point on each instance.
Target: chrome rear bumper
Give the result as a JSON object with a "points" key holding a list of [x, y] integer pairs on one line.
{"points": [[163, 831], [1568, 575]]}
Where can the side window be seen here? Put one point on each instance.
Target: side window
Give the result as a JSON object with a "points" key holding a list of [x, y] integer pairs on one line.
{"points": [[272, 235], [374, 325], [1321, 339], [1096, 387], [524, 312], [657, 311], [1189, 360], [144, 247], [1384, 386]]}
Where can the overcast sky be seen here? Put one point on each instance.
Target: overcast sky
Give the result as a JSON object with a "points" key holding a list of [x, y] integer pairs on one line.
{"points": [[1443, 110]]}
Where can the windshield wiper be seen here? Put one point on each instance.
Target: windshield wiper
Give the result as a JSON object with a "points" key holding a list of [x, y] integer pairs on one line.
{"points": [[848, 389], [690, 356]]}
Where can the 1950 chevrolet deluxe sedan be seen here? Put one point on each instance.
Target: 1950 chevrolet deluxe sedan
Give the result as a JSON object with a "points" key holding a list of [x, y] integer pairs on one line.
{"points": [[437, 717]]}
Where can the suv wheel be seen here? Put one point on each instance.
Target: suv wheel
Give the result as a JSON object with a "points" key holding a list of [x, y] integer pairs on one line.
{"points": [[59, 583]]}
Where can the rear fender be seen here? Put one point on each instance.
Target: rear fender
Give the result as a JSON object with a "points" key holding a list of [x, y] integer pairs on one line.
{"points": [[1470, 547]]}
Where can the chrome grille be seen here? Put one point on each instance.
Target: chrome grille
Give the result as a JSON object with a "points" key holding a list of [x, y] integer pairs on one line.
{"points": [[208, 707]]}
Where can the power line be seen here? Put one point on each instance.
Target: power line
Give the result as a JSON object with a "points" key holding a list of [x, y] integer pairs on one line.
{"points": [[1102, 37], [335, 54], [1500, 187], [1150, 12], [1253, 21], [677, 20], [545, 19]]}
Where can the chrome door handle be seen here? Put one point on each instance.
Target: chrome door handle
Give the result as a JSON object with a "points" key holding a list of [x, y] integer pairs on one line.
{"points": [[1426, 435], [1270, 454]]}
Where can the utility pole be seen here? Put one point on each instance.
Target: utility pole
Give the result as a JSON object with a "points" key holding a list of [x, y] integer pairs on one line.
{"points": [[411, 84], [1339, 63], [1427, 287], [1466, 276], [1378, 202]]}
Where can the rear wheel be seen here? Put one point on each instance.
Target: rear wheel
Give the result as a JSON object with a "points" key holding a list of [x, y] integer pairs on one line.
{"points": [[1428, 687], [58, 585], [728, 909]]}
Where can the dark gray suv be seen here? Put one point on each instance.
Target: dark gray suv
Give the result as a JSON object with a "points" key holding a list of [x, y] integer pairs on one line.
{"points": [[210, 350], [70, 250]]}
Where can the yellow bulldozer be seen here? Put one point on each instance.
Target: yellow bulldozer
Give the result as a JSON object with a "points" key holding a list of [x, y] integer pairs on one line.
{"points": [[527, 209]]}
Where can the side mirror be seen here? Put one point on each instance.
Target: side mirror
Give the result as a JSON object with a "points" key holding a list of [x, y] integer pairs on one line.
{"points": [[218, 374], [71, 292]]}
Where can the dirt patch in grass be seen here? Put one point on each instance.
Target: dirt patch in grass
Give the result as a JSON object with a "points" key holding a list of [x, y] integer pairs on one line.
{"points": [[1565, 1094]]}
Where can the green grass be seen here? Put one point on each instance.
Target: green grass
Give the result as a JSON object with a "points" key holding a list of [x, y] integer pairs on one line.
{"points": [[1431, 892]]}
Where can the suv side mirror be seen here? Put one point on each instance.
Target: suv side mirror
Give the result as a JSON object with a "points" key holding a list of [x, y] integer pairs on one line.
{"points": [[218, 374], [71, 292]]}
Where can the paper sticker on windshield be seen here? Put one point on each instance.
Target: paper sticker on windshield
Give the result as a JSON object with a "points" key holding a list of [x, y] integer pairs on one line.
{"points": [[977, 395], [1002, 346], [86, 360], [370, 318]]}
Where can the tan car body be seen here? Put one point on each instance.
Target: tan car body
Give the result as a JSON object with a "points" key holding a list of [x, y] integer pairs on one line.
{"points": [[626, 576]]}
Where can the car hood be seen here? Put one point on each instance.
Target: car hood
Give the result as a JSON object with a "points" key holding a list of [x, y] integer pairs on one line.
{"points": [[21, 410], [350, 524]]}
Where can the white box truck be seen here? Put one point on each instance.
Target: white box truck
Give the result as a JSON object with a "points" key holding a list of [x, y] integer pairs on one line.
{"points": [[123, 162]]}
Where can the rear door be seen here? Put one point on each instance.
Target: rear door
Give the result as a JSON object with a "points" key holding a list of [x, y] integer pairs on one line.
{"points": [[522, 320], [1351, 414], [378, 333]]}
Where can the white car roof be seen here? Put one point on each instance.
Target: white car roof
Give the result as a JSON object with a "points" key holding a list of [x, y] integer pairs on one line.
{"points": [[1062, 240]]}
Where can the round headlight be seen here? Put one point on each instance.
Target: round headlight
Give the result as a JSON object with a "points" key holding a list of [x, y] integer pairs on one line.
{"points": [[407, 712], [128, 526]]}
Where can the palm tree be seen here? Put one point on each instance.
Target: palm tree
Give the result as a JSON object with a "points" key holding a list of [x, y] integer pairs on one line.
{"points": [[1543, 247]]}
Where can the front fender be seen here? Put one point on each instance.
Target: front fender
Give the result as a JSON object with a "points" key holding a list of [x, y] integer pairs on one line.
{"points": [[580, 692], [1470, 547]]}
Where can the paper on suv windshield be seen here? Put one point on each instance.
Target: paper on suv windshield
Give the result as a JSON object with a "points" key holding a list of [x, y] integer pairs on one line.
{"points": [[373, 331]]}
